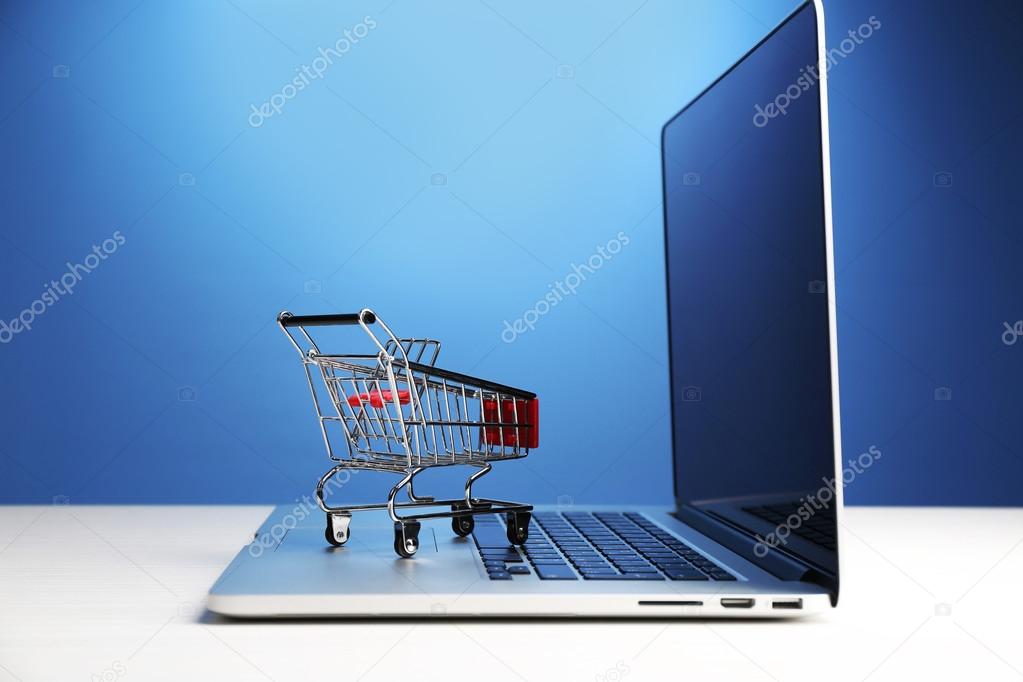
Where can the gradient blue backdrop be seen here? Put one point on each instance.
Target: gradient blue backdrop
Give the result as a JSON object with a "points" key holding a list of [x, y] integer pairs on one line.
{"points": [[455, 162]]}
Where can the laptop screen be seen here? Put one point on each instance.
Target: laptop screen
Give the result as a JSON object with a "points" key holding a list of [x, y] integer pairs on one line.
{"points": [[748, 302]]}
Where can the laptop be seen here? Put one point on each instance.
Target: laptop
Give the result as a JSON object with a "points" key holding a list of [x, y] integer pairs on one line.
{"points": [[754, 409]]}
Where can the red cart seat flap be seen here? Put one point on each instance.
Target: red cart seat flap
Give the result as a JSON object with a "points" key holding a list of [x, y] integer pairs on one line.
{"points": [[377, 398], [523, 418]]}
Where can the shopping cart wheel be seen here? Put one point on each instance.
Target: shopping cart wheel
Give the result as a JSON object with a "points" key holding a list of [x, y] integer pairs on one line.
{"points": [[337, 532], [462, 524], [518, 527], [406, 538]]}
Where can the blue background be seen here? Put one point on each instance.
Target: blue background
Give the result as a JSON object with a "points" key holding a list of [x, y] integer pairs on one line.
{"points": [[454, 163]]}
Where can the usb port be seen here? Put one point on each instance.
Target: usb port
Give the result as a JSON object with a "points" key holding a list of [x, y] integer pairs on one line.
{"points": [[737, 603], [787, 604]]}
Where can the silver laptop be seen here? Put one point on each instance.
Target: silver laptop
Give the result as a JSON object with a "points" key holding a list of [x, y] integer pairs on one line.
{"points": [[754, 405]]}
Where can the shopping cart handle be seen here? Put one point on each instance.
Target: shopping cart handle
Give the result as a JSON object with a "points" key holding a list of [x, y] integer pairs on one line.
{"points": [[286, 319]]}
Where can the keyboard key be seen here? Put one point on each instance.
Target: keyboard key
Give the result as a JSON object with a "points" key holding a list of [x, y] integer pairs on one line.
{"points": [[542, 555], [626, 576], [676, 568], [490, 535], [686, 575], [495, 555], [499, 575], [555, 572], [519, 569]]}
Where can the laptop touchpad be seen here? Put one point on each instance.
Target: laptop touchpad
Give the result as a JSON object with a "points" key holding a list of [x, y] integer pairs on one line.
{"points": [[364, 538]]}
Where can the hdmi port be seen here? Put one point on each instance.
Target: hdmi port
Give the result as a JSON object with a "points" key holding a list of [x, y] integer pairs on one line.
{"points": [[737, 603]]}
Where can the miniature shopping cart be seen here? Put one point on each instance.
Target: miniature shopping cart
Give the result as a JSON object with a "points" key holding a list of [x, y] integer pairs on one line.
{"points": [[400, 413]]}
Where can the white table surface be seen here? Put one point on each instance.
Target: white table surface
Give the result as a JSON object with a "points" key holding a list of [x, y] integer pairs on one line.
{"points": [[111, 593]]}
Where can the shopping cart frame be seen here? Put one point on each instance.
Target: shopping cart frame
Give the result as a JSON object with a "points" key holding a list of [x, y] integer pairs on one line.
{"points": [[392, 366]]}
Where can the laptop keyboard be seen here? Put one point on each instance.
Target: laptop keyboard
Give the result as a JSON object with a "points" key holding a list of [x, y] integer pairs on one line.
{"points": [[592, 546], [819, 528]]}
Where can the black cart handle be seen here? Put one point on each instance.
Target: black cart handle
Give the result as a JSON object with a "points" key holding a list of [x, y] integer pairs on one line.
{"points": [[286, 319]]}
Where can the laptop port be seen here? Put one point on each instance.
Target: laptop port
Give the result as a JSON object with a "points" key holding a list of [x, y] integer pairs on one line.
{"points": [[738, 603], [787, 604], [668, 602]]}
